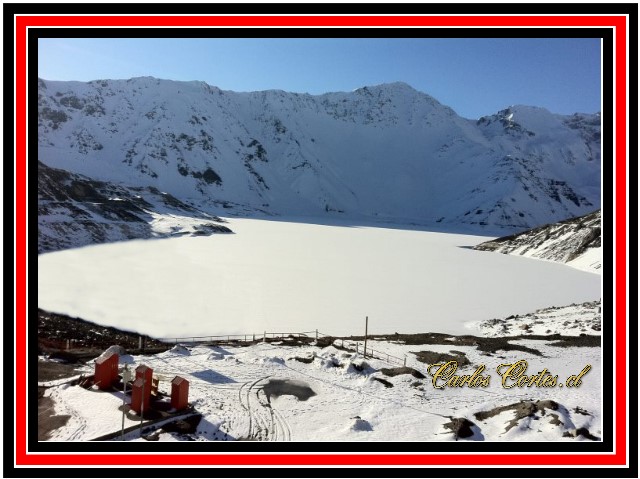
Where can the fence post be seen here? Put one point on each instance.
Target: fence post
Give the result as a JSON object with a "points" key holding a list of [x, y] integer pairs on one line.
{"points": [[366, 328], [264, 338], [316, 334], [356, 348], [405, 360]]}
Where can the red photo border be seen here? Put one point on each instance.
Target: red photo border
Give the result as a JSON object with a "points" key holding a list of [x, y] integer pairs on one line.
{"points": [[619, 25]]}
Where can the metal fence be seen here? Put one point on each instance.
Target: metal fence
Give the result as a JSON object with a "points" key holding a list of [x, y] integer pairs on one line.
{"points": [[240, 338], [356, 347]]}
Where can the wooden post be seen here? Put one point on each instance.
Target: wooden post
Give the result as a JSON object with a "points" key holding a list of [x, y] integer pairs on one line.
{"points": [[366, 329], [264, 339], [125, 375], [316, 334], [405, 360], [142, 407]]}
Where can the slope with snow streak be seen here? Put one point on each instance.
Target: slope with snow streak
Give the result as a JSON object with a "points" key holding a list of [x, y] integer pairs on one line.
{"points": [[576, 242], [290, 277]]}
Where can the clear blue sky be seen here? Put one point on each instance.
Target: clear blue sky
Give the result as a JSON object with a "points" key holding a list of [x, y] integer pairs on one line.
{"points": [[475, 77]]}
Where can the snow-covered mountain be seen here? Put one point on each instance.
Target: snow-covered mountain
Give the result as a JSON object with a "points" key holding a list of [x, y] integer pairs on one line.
{"points": [[384, 152], [576, 241], [74, 210]]}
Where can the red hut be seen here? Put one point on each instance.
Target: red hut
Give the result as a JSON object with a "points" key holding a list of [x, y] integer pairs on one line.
{"points": [[106, 371], [144, 372], [140, 395], [179, 393], [141, 388]]}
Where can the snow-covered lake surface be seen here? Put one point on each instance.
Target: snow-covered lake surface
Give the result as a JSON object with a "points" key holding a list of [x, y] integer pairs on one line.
{"points": [[280, 276]]}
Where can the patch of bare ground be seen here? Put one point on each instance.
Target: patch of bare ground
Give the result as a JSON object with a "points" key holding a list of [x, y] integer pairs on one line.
{"points": [[47, 420], [431, 357], [524, 409], [521, 410], [461, 428], [392, 372]]}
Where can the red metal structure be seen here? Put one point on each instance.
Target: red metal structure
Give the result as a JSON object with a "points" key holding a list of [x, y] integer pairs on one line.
{"points": [[144, 372], [140, 395], [179, 393], [141, 389], [106, 371]]}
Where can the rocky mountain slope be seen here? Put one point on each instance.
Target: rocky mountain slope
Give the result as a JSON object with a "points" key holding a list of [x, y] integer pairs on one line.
{"points": [[74, 210], [576, 241], [384, 152]]}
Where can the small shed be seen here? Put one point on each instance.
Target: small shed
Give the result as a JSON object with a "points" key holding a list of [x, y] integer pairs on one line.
{"points": [[179, 393], [144, 372], [140, 395], [106, 370]]}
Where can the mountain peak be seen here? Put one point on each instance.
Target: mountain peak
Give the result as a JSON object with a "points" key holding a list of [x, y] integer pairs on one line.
{"points": [[397, 86]]}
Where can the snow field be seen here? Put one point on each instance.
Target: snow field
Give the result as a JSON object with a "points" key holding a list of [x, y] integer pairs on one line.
{"points": [[348, 405]]}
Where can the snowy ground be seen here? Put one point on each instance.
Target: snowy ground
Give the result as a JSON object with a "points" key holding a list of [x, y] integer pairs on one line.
{"points": [[230, 387], [290, 277], [572, 320]]}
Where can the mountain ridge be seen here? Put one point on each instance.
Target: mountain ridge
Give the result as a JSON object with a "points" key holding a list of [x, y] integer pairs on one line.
{"points": [[576, 242], [382, 152]]}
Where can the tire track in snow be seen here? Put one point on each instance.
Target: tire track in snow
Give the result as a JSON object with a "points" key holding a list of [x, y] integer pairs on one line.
{"points": [[258, 427], [362, 393]]}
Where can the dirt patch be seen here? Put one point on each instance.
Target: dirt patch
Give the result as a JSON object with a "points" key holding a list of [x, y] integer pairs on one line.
{"points": [[488, 345], [582, 431], [579, 410], [491, 345], [386, 383], [392, 372], [582, 341], [281, 387], [362, 366], [521, 410], [325, 341], [184, 426], [52, 370], [47, 420], [60, 333], [461, 427], [432, 357], [307, 360]]}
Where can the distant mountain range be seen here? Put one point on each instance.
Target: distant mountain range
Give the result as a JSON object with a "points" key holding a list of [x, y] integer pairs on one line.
{"points": [[386, 152]]}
